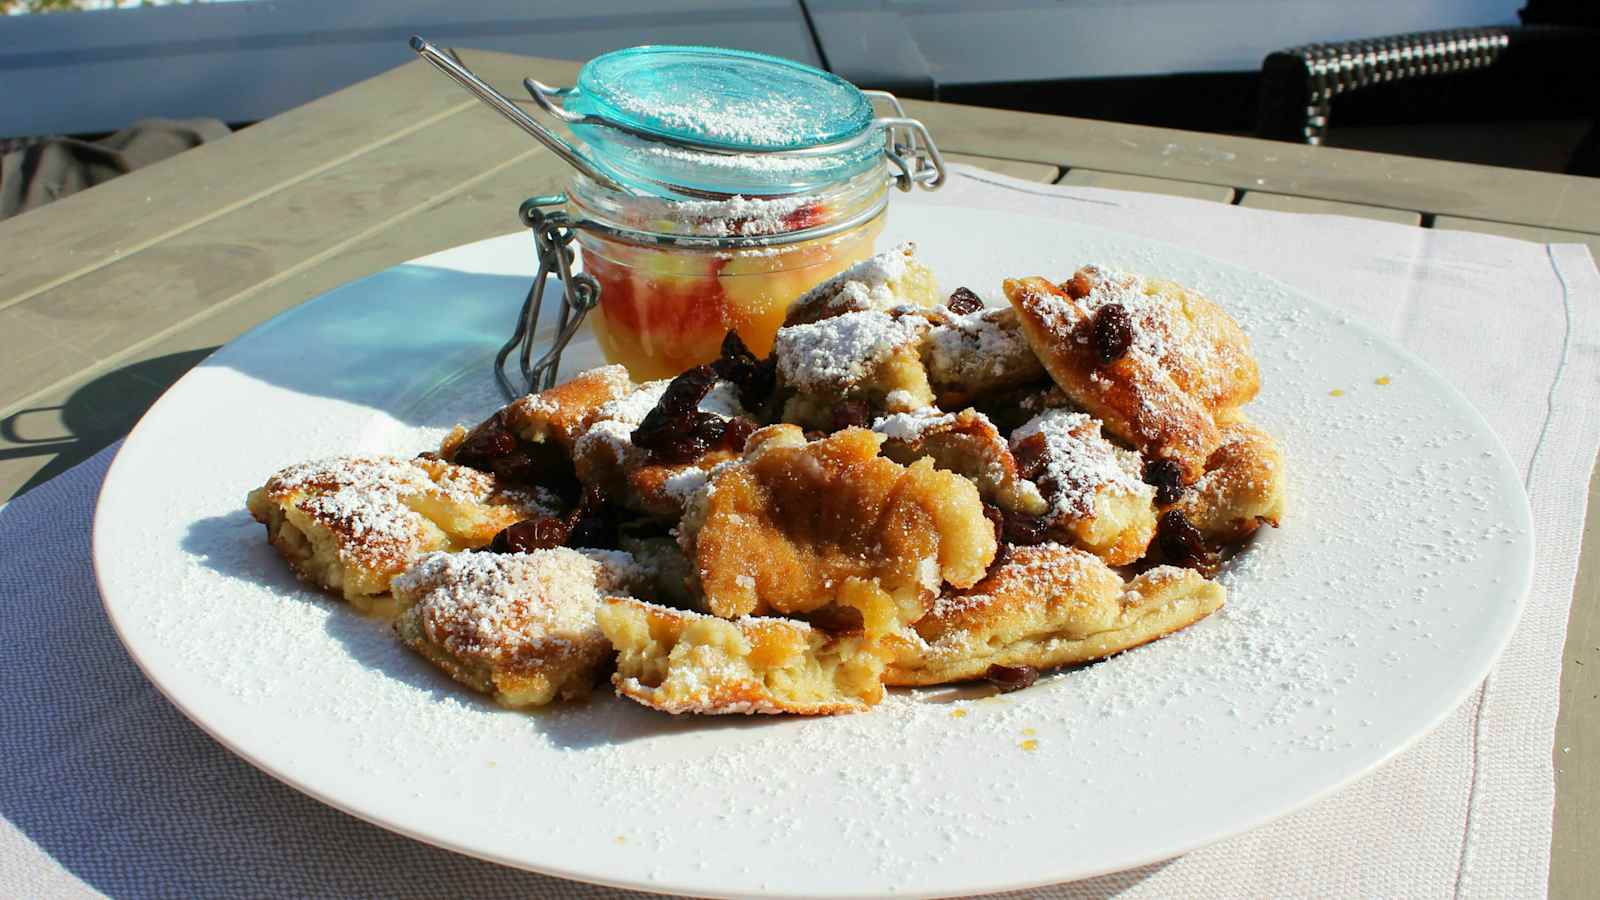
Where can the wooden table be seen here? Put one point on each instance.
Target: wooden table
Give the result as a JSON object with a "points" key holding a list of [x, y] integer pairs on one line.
{"points": [[108, 296]]}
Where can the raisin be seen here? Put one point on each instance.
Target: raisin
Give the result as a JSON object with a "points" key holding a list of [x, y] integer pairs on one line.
{"points": [[487, 443], [1031, 455], [963, 301], [1113, 333], [427, 454], [1025, 530], [1182, 544], [492, 447], [736, 432], [526, 536], [684, 393], [676, 430], [541, 464], [594, 523], [1167, 477], [754, 378], [1011, 678], [849, 414]]}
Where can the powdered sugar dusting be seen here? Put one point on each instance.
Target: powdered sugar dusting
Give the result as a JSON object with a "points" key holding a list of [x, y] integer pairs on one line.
{"points": [[980, 347], [1079, 463], [497, 607], [909, 426], [840, 351]]}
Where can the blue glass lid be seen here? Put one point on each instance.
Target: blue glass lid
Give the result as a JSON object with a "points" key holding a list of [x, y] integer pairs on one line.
{"points": [[752, 108]]}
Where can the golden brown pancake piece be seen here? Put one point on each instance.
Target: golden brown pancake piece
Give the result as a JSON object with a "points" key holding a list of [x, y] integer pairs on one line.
{"points": [[1242, 487], [559, 415], [518, 626], [1047, 606], [1186, 361], [782, 530], [1094, 491], [350, 524], [891, 279], [685, 662], [979, 353], [965, 443], [869, 357]]}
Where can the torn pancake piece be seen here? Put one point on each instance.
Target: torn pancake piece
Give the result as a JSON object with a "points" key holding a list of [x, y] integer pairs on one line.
{"points": [[889, 280], [1043, 607], [784, 528], [1095, 495], [1157, 362], [350, 524], [965, 443], [686, 662], [1242, 487], [518, 626]]}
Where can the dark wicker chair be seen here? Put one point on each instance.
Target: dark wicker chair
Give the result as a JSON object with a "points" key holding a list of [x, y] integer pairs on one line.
{"points": [[1299, 85]]}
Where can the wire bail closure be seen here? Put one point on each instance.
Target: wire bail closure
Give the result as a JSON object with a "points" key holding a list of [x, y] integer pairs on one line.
{"points": [[552, 238]]}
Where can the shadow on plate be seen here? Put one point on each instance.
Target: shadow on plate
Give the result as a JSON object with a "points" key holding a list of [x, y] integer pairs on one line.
{"points": [[234, 545], [387, 340]]}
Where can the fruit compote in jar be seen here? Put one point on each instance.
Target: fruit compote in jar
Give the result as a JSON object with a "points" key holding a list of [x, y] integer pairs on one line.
{"points": [[664, 309], [732, 183]]}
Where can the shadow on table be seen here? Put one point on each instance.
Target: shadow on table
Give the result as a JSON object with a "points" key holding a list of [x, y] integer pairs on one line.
{"points": [[381, 342], [93, 417]]}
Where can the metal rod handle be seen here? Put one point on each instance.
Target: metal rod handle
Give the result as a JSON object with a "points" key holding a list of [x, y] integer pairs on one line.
{"points": [[501, 104]]}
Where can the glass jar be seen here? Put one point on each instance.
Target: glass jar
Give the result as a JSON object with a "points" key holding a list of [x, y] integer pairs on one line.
{"points": [[666, 306], [712, 188]]}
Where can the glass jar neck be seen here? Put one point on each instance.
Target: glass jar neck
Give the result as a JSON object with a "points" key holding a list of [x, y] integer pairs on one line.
{"points": [[733, 222]]}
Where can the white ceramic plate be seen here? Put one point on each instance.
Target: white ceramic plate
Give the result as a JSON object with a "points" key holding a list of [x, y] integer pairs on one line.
{"points": [[1395, 581]]}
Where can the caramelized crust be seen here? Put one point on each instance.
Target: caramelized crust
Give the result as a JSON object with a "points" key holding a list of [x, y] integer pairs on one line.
{"points": [[685, 662], [1187, 362], [559, 415], [783, 529], [1047, 606], [518, 626], [1242, 487], [350, 524]]}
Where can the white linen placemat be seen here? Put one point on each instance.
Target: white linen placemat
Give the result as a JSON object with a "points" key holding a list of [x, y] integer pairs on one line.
{"points": [[109, 789]]}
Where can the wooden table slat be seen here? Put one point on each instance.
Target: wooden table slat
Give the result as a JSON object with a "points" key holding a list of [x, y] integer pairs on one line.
{"points": [[1124, 182], [71, 236], [95, 318], [98, 405], [1521, 232], [1286, 203], [1485, 192]]}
